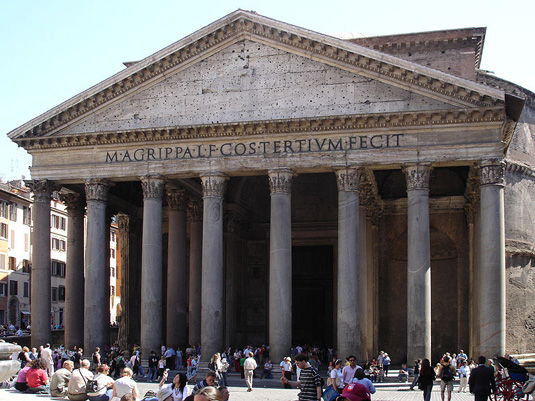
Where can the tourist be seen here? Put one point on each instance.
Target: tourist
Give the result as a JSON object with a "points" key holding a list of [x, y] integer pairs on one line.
{"points": [[286, 370], [24, 357], [153, 364], [482, 381], [60, 380], [249, 367], [224, 371], [464, 372], [104, 385], [355, 392], [348, 372], [209, 380], [96, 357], [21, 384], [46, 354], [78, 381], [403, 374], [446, 373], [225, 393], [416, 373], [268, 367], [336, 376], [178, 388], [360, 378], [125, 385], [309, 380], [161, 367], [426, 379], [208, 394], [215, 365], [36, 377], [386, 363]]}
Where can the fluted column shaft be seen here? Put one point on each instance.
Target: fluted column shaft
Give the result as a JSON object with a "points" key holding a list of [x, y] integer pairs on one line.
{"points": [[348, 329], [177, 308], [212, 307], [96, 311], [418, 262], [74, 275], [492, 259], [151, 265], [280, 264], [40, 279], [195, 273]]}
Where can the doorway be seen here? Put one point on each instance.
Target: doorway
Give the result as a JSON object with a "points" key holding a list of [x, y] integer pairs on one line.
{"points": [[312, 295]]}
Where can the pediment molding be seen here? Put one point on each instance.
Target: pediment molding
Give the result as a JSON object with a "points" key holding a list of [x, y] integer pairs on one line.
{"points": [[246, 25], [347, 123]]}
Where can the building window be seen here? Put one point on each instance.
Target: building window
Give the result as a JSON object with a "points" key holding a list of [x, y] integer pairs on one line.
{"points": [[3, 289], [26, 242], [12, 239], [112, 271], [27, 215], [26, 266], [112, 236], [58, 268], [26, 289], [13, 212], [54, 294], [112, 290], [3, 230], [3, 261], [4, 206], [12, 263], [13, 287], [58, 244], [61, 293], [112, 252], [58, 222]]}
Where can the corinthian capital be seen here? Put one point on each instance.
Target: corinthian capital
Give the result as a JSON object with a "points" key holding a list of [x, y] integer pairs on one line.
{"points": [[280, 181], [195, 210], [152, 187], [97, 189], [348, 178], [492, 172], [214, 185], [176, 199], [74, 202], [42, 190], [417, 175]]}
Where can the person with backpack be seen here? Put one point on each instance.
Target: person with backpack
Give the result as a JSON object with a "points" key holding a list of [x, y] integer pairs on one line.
{"points": [[446, 373]]}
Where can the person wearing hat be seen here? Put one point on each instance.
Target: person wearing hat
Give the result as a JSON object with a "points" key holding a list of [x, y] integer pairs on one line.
{"points": [[355, 392], [165, 394]]}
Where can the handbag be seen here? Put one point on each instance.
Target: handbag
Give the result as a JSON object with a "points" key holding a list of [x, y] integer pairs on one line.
{"points": [[330, 394]]}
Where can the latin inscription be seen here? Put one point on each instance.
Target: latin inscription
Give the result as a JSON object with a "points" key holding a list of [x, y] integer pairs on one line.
{"points": [[236, 149]]}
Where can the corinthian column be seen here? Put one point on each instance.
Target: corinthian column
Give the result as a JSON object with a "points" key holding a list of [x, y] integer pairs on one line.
{"points": [[418, 262], [280, 264], [96, 311], [177, 335], [492, 259], [195, 273], [40, 278], [151, 265], [212, 265], [348, 330], [74, 276]]}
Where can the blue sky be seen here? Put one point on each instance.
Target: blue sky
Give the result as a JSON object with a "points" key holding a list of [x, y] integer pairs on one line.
{"points": [[52, 50]]}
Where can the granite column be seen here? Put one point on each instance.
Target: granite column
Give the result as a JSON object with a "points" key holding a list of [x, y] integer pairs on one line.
{"points": [[418, 262], [280, 264], [195, 273], [74, 276], [177, 308], [40, 276], [212, 307], [96, 325], [151, 265], [492, 259], [349, 291]]}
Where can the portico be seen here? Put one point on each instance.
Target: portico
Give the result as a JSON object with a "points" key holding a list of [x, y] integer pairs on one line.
{"points": [[307, 141]]}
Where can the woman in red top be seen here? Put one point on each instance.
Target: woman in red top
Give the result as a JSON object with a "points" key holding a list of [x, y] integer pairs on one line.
{"points": [[36, 377]]}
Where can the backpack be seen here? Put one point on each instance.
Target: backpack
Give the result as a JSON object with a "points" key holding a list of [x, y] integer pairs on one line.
{"points": [[91, 386], [446, 374]]}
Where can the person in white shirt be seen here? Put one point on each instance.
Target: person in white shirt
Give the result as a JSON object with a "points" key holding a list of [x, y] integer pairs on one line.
{"points": [[337, 377], [249, 366]]}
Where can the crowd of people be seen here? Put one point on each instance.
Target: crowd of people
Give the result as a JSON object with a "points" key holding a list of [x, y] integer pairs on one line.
{"points": [[111, 374]]}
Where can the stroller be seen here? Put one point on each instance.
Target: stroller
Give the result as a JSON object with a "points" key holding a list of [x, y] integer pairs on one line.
{"points": [[509, 383]]}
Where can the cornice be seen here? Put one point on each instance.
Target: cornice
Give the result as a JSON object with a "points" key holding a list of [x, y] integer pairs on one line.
{"points": [[353, 123], [240, 25]]}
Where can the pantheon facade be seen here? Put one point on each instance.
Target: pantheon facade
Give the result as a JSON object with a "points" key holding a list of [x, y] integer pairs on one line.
{"points": [[273, 185]]}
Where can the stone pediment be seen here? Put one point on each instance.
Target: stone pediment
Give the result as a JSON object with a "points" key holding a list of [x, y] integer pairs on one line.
{"points": [[214, 77]]}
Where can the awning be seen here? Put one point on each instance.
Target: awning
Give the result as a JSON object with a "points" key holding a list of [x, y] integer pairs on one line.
{"points": [[24, 312]]}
